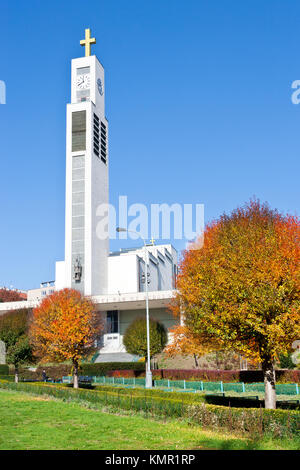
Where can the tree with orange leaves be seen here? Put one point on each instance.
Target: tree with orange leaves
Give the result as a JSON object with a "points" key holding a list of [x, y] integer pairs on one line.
{"points": [[185, 343], [64, 327], [241, 288]]}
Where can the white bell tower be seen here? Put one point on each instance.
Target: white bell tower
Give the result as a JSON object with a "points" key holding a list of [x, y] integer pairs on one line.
{"points": [[85, 265]]}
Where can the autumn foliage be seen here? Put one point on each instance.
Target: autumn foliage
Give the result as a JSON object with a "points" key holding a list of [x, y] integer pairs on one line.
{"points": [[241, 289], [7, 295], [13, 324], [185, 343], [64, 327]]}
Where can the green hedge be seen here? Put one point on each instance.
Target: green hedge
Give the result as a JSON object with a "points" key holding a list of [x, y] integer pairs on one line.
{"points": [[202, 397], [10, 378], [257, 422], [186, 397], [253, 422], [4, 369], [212, 375], [101, 368]]}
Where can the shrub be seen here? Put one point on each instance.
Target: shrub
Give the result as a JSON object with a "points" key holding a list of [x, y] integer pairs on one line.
{"points": [[98, 369], [135, 337], [185, 397], [285, 376], [277, 423], [137, 369], [201, 374], [19, 353], [209, 375], [53, 372], [286, 361], [4, 369], [13, 325], [15, 321], [121, 373], [13, 331], [104, 368], [9, 378]]}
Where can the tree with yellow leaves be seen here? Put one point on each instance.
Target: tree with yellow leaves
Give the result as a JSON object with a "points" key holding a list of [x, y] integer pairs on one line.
{"points": [[241, 288]]}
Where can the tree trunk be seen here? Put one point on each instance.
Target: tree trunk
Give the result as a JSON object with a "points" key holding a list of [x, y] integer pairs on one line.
{"points": [[75, 376], [269, 380], [196, 361], [16, 374], [217, 360]]}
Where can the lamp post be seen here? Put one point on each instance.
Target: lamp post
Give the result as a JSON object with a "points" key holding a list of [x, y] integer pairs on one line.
{"points": [[148, 369]]}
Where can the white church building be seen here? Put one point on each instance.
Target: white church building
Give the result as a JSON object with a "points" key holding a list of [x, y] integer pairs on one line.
{"points": [[114, 280]]}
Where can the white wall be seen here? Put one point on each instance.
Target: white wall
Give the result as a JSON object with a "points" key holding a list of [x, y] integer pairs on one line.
{"points": [[125, 269], [60, 275], [122, 274], [94, 276], [40, 293]]}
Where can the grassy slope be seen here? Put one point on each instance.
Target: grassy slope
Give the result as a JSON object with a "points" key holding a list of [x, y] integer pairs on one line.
{"points": [[29, 422]]}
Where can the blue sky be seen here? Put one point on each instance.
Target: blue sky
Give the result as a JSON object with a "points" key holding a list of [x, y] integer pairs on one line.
{"points": [[198, 97]]}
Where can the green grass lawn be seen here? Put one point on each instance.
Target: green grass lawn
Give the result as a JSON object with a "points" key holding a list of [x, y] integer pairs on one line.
{"points": [[29, 422]]}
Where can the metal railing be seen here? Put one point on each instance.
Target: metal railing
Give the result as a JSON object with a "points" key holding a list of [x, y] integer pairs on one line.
{"points": [[201, 386]]}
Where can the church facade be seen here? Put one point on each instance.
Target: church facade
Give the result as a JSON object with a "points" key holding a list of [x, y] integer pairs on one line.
{"points": [[114, 280]]}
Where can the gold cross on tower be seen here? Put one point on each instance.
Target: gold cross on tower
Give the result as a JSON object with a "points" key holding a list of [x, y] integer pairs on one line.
{"points": [[87, 42]]}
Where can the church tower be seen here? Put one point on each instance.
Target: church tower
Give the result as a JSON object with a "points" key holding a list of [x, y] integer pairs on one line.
{"points": [[85, 266]]}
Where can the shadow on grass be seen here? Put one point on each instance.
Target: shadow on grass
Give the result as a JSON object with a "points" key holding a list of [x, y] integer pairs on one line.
{"points": [[223, 444], [248, 444]]}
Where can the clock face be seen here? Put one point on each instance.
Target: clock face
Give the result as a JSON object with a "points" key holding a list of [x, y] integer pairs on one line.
{"points": [[83, 82], [100, 86]]}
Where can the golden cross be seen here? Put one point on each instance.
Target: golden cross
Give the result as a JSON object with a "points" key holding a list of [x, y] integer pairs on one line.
{"points": [[152, 241], [87, 42]]}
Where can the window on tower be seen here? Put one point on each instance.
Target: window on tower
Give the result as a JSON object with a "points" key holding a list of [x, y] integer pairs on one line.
{"points": [[103, 143], [96, 134], [78, 131]]}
